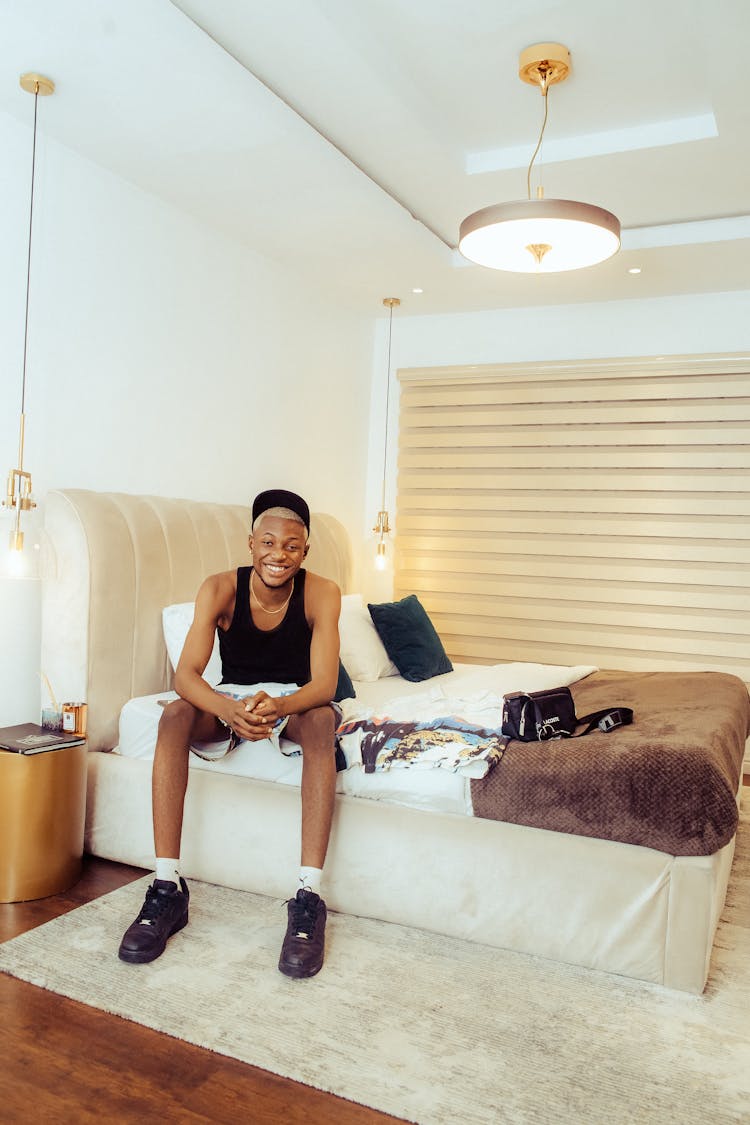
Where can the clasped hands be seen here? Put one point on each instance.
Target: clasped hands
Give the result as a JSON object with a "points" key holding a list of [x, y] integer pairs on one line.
{"points": [[253, 718]]}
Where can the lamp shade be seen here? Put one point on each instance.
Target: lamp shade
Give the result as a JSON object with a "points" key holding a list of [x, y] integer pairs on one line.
{"points": [[20, 628], [539, 235]]}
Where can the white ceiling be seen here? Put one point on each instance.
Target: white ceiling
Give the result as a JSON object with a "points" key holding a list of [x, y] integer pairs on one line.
{"points": [[218, 106]]}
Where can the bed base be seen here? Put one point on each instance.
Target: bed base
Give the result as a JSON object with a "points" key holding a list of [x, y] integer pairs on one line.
{"points": [[602, 905]]}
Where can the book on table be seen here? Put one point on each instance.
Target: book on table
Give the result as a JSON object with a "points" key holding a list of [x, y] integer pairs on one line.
{"points": [[30, 738]]}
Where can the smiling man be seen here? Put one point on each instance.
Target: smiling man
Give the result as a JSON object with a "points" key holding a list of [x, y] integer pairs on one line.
{"points": [[277, 624]]}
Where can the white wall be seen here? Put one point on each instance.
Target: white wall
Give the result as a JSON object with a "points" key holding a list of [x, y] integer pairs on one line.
{"points": [[694, 324], [682, 325], [162, 357]]}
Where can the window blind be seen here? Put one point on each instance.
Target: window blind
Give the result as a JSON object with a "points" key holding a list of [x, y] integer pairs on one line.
{"points": [[580, 513]]}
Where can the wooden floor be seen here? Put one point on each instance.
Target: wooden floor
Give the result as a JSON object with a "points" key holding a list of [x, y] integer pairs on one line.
{"points": [[63, 1062]]}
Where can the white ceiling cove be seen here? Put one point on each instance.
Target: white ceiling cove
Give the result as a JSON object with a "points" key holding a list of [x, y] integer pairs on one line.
{"points": [[347, 139]]}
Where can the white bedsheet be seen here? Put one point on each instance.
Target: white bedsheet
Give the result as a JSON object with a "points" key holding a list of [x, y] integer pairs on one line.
{"points": [[435, 789]]}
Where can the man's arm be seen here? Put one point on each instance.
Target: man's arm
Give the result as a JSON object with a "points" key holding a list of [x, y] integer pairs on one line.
{"points": [[323, 605]]}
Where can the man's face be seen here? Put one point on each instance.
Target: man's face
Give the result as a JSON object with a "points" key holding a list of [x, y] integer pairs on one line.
{"points": [[279, 547]]}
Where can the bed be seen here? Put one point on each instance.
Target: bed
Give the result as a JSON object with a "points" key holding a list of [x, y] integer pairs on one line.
{"points": [[528, 871]]}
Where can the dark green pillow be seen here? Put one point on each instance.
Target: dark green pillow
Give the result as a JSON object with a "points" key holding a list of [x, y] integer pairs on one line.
{"points": [[410, 638], [344, 687]]}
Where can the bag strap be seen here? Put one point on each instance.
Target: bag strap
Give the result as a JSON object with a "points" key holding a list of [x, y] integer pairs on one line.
{"points": [[608, 719]]}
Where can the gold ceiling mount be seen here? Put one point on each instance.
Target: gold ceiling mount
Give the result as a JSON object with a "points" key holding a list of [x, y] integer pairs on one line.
{"points": [[37, 84], [544, 64]]}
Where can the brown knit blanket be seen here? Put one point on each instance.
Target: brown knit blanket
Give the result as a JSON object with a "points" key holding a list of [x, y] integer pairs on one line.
{"points": [[667, 782]]}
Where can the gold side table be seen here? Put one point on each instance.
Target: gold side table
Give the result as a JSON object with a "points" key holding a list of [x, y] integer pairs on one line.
{"points": [[42, 819]]}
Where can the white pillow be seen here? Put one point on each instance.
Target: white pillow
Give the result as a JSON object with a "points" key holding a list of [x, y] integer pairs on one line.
{"points": [[362, 651], [176, 620]]}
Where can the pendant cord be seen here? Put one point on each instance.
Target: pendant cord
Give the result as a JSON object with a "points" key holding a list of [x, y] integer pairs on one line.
{"points": [[545, 90], [28, 260], [387, 407]]}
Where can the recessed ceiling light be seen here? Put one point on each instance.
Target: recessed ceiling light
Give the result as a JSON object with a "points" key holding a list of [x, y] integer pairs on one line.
{"points": [[634, 269], [417, 290]]}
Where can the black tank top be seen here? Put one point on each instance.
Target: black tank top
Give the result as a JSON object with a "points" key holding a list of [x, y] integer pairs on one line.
{"points": [[250, 655]]}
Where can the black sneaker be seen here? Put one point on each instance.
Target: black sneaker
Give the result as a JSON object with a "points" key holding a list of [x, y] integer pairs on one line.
{"points": [[302, 951], [164, 912]]}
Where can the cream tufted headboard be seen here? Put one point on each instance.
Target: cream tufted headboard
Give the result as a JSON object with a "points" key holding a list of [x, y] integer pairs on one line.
{"points": [[113, 561]]}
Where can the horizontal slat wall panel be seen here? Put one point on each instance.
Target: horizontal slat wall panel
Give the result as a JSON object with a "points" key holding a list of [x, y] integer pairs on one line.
{"points": [[637, 460], [597, 515], [570, 384], [577, 413], [485, 431], [555, 522], [495, 651], [525, 498], [571, 613], [583, 587], [701, 478], [688, 550]]}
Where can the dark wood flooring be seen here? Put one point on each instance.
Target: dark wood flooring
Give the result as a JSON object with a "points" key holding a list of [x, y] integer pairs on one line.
{"points": [[62, 1062]]}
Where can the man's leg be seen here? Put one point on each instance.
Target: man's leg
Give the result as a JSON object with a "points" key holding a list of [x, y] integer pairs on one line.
{"points": [[165, 909], [179, 724], [304, 943], [314, 732]]}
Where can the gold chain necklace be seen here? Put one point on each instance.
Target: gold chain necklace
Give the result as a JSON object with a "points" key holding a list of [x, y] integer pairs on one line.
{"points": [[260, 603]]}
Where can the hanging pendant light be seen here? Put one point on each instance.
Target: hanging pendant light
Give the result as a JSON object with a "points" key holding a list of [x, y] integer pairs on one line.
{"points": [[19, 491], [382, 526], [540, 235]]}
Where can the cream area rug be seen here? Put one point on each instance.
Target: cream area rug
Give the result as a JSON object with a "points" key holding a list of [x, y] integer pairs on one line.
{"points": [[430, 1029]]}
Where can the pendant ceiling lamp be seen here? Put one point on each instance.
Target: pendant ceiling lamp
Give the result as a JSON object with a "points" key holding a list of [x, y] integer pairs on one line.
{"points": [[382, 526], [540, 235], [18, 495]]}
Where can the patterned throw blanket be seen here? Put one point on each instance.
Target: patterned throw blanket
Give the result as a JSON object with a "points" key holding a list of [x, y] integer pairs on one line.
{"points": [[667, 782], [445, 742]]}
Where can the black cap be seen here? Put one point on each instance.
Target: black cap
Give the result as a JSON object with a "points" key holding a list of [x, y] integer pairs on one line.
{"points": [[280, 498]]}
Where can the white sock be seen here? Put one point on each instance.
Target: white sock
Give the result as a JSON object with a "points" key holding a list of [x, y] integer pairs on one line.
{"points": [[309, 879], [168, 870]]}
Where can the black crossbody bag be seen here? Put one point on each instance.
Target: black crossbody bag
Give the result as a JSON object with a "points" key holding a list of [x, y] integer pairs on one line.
{"points": [[538, 716]]}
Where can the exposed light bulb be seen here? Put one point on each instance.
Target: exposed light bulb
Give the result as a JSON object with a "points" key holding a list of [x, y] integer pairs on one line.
{"points": [[16, 563], [380, 556]]}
